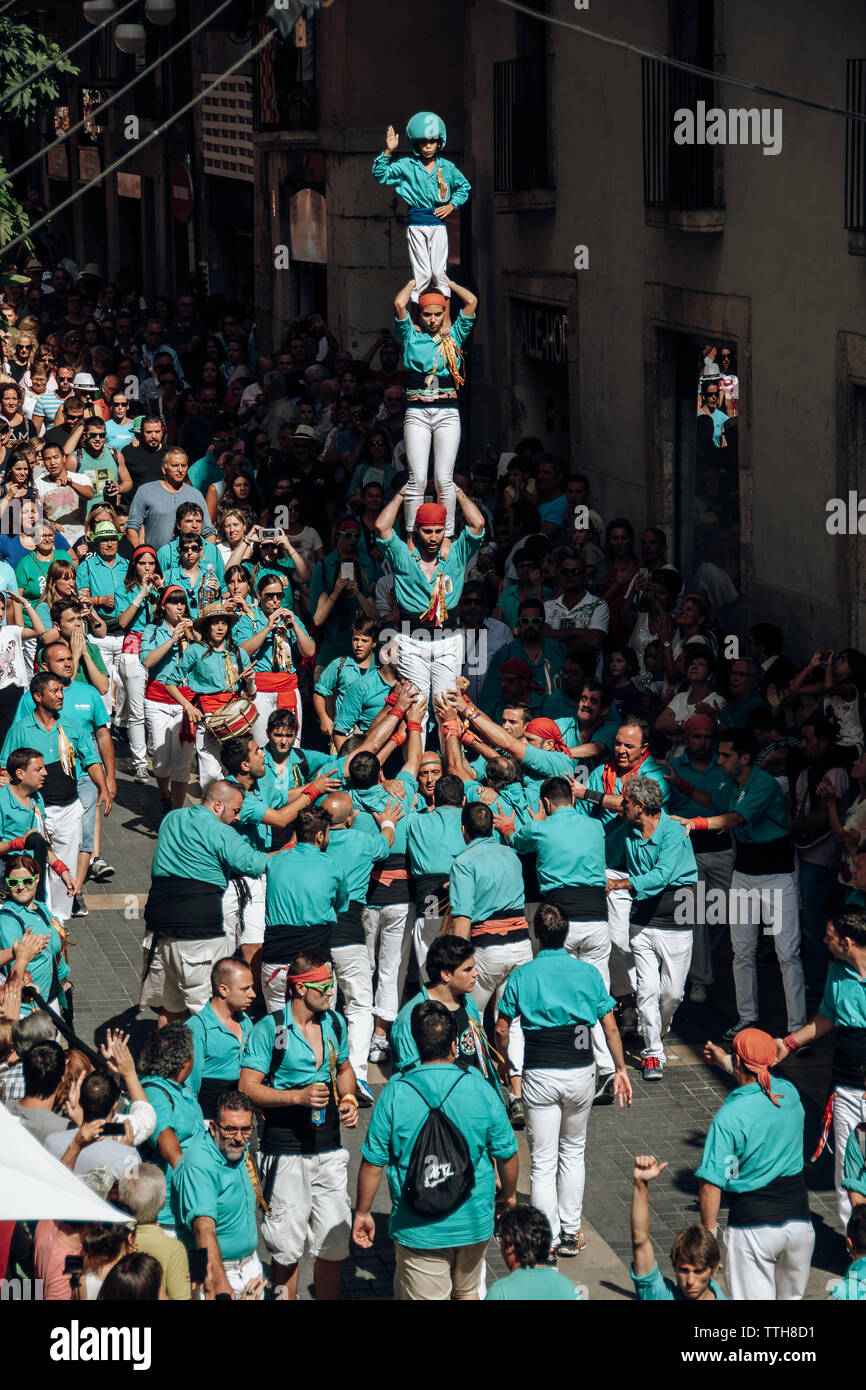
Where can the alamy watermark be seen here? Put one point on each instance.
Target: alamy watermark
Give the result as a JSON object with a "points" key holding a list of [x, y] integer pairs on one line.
{"points": [[737, 126], [697, 905]]}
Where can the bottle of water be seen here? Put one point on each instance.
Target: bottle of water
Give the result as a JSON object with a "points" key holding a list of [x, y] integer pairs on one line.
{"points": [[317, 1117]]}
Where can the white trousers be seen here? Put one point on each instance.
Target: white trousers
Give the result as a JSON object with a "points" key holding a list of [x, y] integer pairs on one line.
{"points": [[253, 933], [424, 933], [714, 869], [171, 758], [389, 928], [109, 650], [557, 1101], [63, 824], [494, 965], [662, 956], [428, 257], [239, 1273], [848, 1112], [131, 679], [355, 980], [769, 1262], [208, 749], [590, 942], [429, 663], [781, 921], [439, 426], [622, 976], [266, 702]]}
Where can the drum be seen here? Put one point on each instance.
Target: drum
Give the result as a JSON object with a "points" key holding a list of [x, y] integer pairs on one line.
{"points": [[236, 717]]}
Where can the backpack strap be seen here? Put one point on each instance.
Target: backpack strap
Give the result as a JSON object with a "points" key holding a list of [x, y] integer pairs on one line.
{"points": [[444, 1098], [279, 1047], [165, 1092]]}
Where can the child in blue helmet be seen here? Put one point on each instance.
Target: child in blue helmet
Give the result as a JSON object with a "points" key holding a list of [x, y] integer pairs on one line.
{"points": [[432, 188]]}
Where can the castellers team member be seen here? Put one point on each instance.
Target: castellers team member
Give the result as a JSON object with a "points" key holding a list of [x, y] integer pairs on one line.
{"points": [[138, 612], [47, 971], [754, 1153], [433, 362], [432, 188], [428, 582], [101, 579], [169, 734], [558, 1001], [267, 635], [218, 671], [843, 1007]]}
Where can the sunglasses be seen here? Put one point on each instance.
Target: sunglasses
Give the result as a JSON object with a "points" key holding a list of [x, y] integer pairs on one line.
{"points": [[240, 1130], [324, 987], [22, 882], [348, 535], [530, 622], [272, 593]]}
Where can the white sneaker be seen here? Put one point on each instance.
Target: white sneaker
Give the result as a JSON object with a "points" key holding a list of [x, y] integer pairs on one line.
{"points": [[698, 994], [379, 1049]]}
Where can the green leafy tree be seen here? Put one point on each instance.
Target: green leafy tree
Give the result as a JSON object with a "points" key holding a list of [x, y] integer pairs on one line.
{"points": [[23, 52]]}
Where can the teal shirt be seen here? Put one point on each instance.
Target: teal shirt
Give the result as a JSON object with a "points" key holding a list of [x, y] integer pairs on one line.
{"points": [[304, 887], [218, 1052], [413, 589], [207, 1184], [537, 1285], [540, 763], [165, 669], [548, 666], [555, 989], [14, 922], [103, 578], [664, 860], [761, 803], [852, 1286], [765, 1140], [844, 1000], [421, 351], [404, 1053], [261, 797], [656, 1288], [81, 703], [517, 799], [434, 838], [203, 472], [16, 819], [712, 781], [376, 798], [342, 673], [297, 1066], [168, 557], [485, 878], [854, 1169], [419, 187], [193, 844], [510, 600], [179, 578], [569, 727], [265, 658], [397, 1121], [204, 670], [361, 703], [569, 849], [354, 852], [176, 1108], [616, 825], [27, 732]]}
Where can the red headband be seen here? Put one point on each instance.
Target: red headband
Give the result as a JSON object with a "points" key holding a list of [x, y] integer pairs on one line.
{"points": [[143, 550], [309, 977], [430, 514], [432, 297], [548, 730]]}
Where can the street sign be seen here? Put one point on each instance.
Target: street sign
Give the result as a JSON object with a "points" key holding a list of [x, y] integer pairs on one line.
{"points": [[180, 188]]}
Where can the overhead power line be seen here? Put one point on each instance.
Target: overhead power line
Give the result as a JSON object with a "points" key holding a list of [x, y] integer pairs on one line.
{"points": [[46, 67]]}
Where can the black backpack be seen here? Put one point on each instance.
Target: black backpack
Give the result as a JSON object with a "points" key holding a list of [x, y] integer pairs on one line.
{"points": [[441, 1173]]}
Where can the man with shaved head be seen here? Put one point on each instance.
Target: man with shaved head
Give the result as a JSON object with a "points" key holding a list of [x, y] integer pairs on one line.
{"points": [[355, 852], [429, 772], [220, 1033]]}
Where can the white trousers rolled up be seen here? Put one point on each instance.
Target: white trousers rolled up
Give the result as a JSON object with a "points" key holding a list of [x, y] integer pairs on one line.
{"points": [[171, 758], [428, 257], [773, 908], [769, 1262], [390, 929], [557, 1101], [208, 749], [63, 824], [439, 426], [494, 965], [355, 981], [622, 976], [590, 942], [252, 933], [131, 679], [662, 956]]}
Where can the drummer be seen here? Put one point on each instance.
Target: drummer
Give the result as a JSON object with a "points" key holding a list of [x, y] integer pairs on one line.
{"points": [[218, 672], [268, 635]]}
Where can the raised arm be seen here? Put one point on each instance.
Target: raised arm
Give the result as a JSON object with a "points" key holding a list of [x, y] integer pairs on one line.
{"points": [[468, 299], [401, 300], [388, 515], [646, 1167], [474, 516]]}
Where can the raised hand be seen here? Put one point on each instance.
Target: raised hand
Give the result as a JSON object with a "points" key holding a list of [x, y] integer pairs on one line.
{"points": [[647, 1167]]}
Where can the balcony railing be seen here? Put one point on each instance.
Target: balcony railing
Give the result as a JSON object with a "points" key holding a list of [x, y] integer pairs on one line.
{"points": [[675, 176], [855, 146], [285, 85], [521, 158]]}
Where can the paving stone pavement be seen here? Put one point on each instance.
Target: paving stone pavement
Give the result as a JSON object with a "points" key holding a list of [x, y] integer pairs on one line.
{"points": [[668, 1118]]}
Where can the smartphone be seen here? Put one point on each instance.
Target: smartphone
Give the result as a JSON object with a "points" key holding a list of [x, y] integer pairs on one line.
{"points": [[347, 570], [197, 1266], [74, 1264], [114, 1130], [268, 535]]}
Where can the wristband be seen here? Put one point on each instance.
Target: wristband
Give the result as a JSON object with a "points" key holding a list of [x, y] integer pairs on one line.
{"points": [[468, 738], [451, 728], [310, 792], [387, 822], [413, 725], [700, 823], [594, 798], [353, 1100], [471, 711], [17, 843], [391, 700], [686, 788], [398, 738], [791, 1043], [59, 867]]}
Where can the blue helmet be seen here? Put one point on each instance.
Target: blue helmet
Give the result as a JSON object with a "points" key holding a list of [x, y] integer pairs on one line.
{"points": [[426, 125]]}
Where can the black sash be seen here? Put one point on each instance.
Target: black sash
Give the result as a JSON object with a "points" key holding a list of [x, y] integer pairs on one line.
{"points": [[430, 886], [768, 857], [58, 789], [211, 1089], [289, 1129], [531, 889], [580, 902], [569, 1045], [183, 910], [349, 929], [283, 943], [660, 909], [849, 1058], [710, 841], [783, 1199]]}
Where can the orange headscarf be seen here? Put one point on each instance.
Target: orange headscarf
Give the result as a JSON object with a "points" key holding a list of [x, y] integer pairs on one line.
{"points": [[757, 1052]]}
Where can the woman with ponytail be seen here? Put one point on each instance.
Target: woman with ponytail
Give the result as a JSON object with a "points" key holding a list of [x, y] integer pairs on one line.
{"points": [[140, 587]]}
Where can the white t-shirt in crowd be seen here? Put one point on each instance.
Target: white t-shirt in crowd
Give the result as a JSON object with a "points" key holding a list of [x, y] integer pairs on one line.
{"points": [[13, 670]]}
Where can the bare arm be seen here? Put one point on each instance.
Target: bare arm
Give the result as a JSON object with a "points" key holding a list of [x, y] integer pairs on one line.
{"points": [[204, 1230], [388, 515]]}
